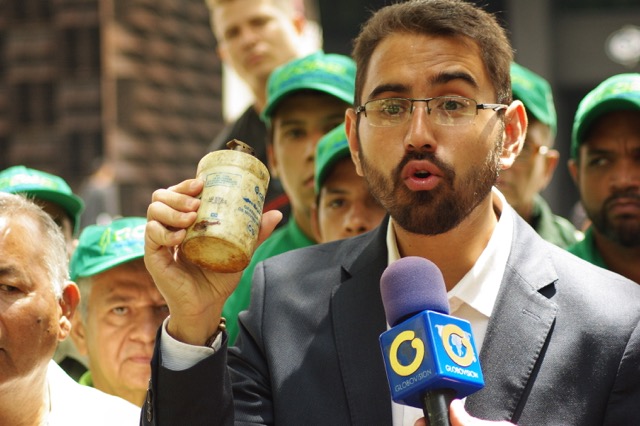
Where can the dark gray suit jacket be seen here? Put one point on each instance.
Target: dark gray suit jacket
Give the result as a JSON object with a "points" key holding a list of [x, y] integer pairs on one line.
{"points": [[562, 345]]}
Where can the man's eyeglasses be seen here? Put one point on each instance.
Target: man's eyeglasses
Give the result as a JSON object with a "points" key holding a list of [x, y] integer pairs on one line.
{"points": [[531, 149], [445, 110]]}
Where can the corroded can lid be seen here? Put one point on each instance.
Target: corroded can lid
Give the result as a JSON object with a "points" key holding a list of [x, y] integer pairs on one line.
{"points": [[236, 145]]}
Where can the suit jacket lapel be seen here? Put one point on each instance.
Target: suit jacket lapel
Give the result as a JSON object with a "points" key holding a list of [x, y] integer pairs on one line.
{"points": [[520, 325], [358, 319], [516, 335]]}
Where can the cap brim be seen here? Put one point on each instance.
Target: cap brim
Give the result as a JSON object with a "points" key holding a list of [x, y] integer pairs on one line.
{"points": [[604, 107], [328, 89], [102, 266]]}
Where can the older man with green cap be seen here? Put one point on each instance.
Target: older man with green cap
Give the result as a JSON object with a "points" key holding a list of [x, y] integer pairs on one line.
{"points": [[605, 165], [120, 308], [306, 98], [344, 205], [533, 170]]}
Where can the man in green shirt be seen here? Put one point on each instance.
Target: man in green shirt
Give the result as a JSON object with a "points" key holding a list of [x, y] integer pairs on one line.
{"points": [[605, 165], [533, 169], [306, 98]]}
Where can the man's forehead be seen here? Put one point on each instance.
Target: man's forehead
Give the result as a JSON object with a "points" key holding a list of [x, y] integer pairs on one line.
{"points": [[17, 234], [614, 122], [408, 59]]}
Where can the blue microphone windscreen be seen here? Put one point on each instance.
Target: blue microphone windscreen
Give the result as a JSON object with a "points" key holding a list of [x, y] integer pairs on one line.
{"points": [[410, 285]]}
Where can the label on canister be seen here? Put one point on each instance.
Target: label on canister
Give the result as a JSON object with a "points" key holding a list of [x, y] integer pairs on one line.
{"points": [[225, 232]]}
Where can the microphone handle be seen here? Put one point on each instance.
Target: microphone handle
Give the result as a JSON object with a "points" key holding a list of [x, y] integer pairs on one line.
{"points": [[435, 405]]}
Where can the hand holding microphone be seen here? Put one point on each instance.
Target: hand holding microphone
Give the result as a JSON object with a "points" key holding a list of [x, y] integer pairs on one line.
{"points": [[430, 357]]}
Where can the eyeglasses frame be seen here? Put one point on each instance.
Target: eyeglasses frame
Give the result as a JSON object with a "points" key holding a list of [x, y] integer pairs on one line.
{"points": [[483, 106]]}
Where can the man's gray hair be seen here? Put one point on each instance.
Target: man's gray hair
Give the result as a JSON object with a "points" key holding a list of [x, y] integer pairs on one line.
{"points": [[51, 241]]}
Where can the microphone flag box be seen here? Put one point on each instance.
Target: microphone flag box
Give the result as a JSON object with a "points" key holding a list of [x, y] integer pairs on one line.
{"points": [[430, 351]]}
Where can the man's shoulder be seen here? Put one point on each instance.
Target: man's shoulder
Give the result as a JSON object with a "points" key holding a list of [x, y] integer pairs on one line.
{"points": [[595, 288], [532, 256]]}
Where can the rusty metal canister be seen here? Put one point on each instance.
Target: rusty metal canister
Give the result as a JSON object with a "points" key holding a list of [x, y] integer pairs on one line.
{"points": [[225, 232]]}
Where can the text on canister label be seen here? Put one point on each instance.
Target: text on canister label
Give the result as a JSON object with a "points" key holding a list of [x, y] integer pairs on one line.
{"points": [[223, 179]]}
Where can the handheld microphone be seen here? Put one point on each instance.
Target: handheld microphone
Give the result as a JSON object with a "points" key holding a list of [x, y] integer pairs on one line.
{"points": [[430, 357]]}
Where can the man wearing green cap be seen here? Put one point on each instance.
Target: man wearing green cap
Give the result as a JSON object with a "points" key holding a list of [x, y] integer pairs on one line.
{"points": [[55, 197], [605, 165], [533, 169], [306, 98], [344, 205], [120, 308], [51, 192]]}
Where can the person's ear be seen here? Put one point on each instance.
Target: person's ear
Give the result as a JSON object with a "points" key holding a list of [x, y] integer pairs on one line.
{"points": [[79, 334], [68, 304], [222, 53], [315, 222], [551, 159], [515, 131], [272, 161], [572, 165], [299, 22], [350, 126]]}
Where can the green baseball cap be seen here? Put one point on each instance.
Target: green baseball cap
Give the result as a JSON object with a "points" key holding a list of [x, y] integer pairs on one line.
{"points": [[42, 186], [620, 92], [331, 148], [103, 247], [535, 93], [328, 73]]}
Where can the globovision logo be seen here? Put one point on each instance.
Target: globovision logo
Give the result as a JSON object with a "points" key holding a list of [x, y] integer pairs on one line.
{"points": [[457, 344], [416, 343]]}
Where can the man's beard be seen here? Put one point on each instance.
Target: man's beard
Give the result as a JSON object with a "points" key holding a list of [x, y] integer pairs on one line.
{"points": [[441, 209], [624, 231]]}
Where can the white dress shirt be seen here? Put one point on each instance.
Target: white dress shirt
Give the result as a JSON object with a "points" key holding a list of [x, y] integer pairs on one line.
{"points": [[475, 294]]}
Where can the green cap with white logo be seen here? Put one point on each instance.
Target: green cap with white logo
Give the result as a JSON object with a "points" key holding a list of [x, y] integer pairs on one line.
{"points": [[42, 186], [617, 93], [328, 73], [103, 247]]}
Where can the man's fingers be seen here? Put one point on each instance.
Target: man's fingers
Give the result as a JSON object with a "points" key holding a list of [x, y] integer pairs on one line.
{"points": [[169, 217], [191, 187], [157, 236], [270, 220], [181, 197]]}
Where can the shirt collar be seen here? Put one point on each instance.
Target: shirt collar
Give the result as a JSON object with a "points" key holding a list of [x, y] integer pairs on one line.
{"points": [[480, 285]]}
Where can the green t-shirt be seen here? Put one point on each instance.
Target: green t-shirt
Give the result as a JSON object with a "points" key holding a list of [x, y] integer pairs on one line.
{"points": [[587, 250], [288, 237], [555, 229], [86, 379]]}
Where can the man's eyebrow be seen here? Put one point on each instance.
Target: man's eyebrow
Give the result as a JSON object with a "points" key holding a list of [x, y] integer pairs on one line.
{"points": [[12, 273], [437, 80], [332, 190], [8, 270], [384, 88], [447, 76], [596, 150]]}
